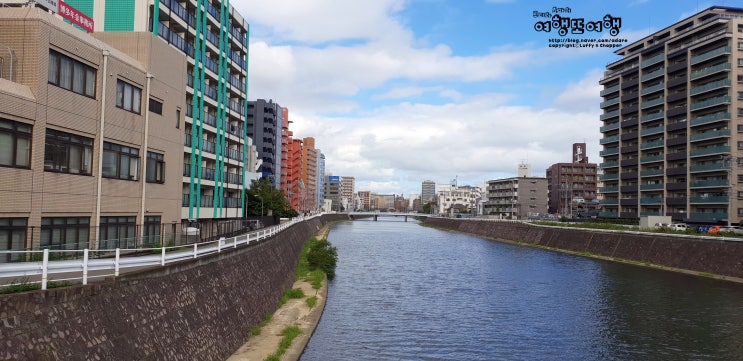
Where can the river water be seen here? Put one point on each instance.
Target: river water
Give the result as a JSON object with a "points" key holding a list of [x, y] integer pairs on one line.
{"points": [[407, 292]]}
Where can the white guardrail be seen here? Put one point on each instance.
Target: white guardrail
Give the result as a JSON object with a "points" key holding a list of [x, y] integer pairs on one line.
{"points": [[113, 265]]}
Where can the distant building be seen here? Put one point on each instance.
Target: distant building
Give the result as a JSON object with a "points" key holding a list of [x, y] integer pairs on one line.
{"points": [[572, 186], [517, 197], [428, 191], [265, 122], [458, 199], [365, 200], [349, 193], [334, 192]]}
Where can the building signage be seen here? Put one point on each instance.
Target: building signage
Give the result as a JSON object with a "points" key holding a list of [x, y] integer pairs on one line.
{"points": [[334, 178], [52, 5], [75, 16]]}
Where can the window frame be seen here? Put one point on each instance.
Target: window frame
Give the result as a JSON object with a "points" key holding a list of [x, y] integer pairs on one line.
{"points": [[64, 228], [10, 227], [128, 97], [115, 226], [121, 152], [155, 161], [156, 106], [17, 134], [54, 138], [84, 73]]}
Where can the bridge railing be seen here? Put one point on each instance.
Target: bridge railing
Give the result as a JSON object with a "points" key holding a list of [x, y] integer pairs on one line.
{"points": [[55, 265]]}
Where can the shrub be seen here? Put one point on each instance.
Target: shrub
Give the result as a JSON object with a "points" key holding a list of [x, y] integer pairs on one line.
{"points": [[322, 255]]}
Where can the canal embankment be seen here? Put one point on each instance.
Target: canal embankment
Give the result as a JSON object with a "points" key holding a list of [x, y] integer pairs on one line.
{"points": [[192, 310], [717, 257]]}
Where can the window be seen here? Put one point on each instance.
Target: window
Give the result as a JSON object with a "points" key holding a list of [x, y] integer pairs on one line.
{"points": [[156, 106], [155, 167], [67, 153], [740, 45], [71, 74], [65, 232], [177, 119], [118, 232], [128, 97], [15, 144], [740, 62], [740, 78], [151, 230], [120, 161], [12, 238], [740, 112], [740, 95]]}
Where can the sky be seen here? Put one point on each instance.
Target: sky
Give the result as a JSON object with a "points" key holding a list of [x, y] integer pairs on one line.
{"points": [[396, 92]]}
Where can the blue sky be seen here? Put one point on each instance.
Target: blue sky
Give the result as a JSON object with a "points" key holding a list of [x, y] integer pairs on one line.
{"points": [[397, 92]]}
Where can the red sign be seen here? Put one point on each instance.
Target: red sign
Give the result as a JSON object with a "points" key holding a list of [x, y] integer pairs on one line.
{"points": [[75, 16]]}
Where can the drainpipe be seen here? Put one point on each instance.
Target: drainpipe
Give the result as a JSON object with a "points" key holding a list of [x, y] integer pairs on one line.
{"points": [[143, 179], [99, 177]]}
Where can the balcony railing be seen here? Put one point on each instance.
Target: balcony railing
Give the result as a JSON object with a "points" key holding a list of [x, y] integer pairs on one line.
{"points": [[609, 165], [711, 118], [717, 216], [710, 135], [652, 75], [709, 183], [711, 54], [719, 199], [711, 102], [651, 103], [609, 115], [652, 116], [710, 150], [710, 86], [710, 70], [653, 130], [653, 60], [707, 167], [609, 90], [611, 139], [651, 187], [609, 102], [652, 89], [609, 151]]}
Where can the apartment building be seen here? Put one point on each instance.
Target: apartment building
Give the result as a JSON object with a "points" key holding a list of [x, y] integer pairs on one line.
{"points": [[91, 138], [428, 191], [572, 186], [453, 199], [265, 119], [349, 192], [672, 122], [214, 38], [310, 175]]}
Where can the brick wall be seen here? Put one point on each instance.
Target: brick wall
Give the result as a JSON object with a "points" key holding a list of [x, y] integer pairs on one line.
{"points": [[193, 310], [715, 256]]}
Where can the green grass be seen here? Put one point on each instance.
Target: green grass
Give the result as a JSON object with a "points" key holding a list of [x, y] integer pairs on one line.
{"points": [[311, 301], [289, 334], [294, 293], [25, 286], [315, 278], [255, 331]]}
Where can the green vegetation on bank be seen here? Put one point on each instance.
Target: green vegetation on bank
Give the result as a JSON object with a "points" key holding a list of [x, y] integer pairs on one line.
{"points": [[25, 285], [318, 257], [288, 335]]}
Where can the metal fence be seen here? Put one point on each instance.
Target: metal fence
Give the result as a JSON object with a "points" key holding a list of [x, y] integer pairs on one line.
{"points": [[79, 265]]}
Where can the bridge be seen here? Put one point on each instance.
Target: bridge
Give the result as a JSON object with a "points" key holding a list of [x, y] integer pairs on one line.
{"points": [[376, 215]]}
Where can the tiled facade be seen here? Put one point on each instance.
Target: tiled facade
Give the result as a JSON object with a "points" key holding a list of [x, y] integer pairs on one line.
{"points": [[94, 135], [672, 122], [572, 186], [516, 197]]}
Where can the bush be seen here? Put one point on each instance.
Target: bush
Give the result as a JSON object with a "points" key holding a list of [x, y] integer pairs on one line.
{"points": [[322, 255]]}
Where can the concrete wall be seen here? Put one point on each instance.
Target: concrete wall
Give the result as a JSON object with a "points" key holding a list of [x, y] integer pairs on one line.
{"points": [[715, 256], [200, 310]]}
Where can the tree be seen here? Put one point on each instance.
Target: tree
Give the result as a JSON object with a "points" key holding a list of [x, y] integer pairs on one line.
{"points": [[429, 207], [264, 199]]}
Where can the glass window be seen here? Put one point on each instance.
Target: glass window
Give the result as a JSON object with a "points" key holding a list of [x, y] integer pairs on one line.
{"points": [[128, 97], [151, 230], [178, 119], [156, 106], [118, 232], [120, 161], [65, 232], [12, 238], [155, 167], [67, 153], [71, 74], [15, 144]]}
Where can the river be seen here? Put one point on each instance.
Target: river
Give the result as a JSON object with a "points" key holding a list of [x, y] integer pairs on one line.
{"points": [[408, 292]]}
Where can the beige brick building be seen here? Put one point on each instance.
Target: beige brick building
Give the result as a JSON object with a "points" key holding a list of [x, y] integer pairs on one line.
{"points": [[91, 136]]}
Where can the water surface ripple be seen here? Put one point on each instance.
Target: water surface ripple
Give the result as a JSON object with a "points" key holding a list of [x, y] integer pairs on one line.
{"points": [[407, 292]]}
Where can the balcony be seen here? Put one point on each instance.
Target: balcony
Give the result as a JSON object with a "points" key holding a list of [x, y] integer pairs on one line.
{"points": [[708, 217], [653, 130], [606, 165], [628, 189], [676, 186], [649, 145], [708, 200], [710, 135], [628, 175], [608, 215], [678, 110], [711, 54], [710, 150], [651, 187], [609, 151], [609, 202], [651, 172], [609, 102], [608, 189], [652, 89], [630, 109], [609, 115], [629, 122], [629, 136], [707, 167], [651, 103], [654, 200], [632, 162], [611, 139], [714, 183], [676, 171], [651, 159], [681, 140], [678, 201], [710, 86], [716, 117], [652, 116], [676, 155], [605, 177], [652, 75], [711, 102], [609, 90], [711, 70], [652, 60], [609, 127]]}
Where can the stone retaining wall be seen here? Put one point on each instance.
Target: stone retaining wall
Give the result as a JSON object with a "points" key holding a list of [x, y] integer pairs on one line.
{"points": [[697, 254], [192, 310]]}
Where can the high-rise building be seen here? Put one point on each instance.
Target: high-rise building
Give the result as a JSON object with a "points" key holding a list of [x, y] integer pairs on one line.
{"points": [[265, 121], [309, 174], [349, 191], [334, 192], [428, 191], [320, 191], [671, 140], [91, 137], [214, 38], [572, 186]]}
